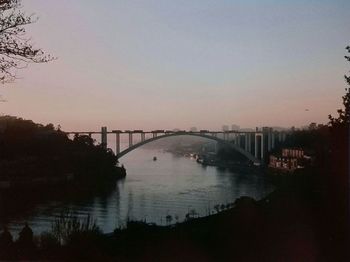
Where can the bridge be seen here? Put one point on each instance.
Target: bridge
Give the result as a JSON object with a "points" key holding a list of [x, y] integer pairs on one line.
{"points": [[254, 145]]}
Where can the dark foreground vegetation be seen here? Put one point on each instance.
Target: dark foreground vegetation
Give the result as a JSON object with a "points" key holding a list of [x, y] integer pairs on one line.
{"points": [[34, 155]]}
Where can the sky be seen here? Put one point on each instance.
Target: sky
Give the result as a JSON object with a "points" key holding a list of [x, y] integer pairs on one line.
{"points": [[170, 64]]}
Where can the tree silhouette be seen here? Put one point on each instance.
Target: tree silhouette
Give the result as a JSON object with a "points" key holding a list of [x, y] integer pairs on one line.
{"points": [[343, 118], [16, 49], [340, 177]]}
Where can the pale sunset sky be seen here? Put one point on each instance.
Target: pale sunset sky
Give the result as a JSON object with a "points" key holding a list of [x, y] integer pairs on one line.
{"points": [[180, 63]]}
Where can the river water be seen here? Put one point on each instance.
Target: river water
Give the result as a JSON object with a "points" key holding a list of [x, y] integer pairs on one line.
{"points": [[152, 190]]}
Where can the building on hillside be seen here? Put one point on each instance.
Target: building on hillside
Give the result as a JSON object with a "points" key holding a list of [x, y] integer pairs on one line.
{"points": [[293, 152], [289, 160]]}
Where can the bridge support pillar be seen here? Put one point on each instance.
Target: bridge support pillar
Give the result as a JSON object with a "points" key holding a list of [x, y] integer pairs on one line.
{"points": [[262, 147], [104, 136], [256, 146], [130, 139], [90, 135], [246, 141], [284, 135], [117, 143], [143, 137], [250, 143]]}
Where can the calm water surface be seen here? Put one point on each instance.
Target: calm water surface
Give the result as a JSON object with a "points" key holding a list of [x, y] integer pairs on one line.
{"points": [[151, 191]]}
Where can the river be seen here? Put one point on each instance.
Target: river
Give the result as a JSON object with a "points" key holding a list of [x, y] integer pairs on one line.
{"points": [[152, 190]]}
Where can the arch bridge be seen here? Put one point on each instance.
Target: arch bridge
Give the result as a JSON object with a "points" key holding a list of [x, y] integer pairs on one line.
{"points": [[254, 145]]}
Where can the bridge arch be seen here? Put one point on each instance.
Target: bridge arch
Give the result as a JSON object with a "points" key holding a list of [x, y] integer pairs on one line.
{"points": [[235, 147]]}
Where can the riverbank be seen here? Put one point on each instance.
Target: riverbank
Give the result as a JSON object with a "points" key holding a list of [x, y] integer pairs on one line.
{"points": [[22, 196], [244, 168], [45, 180]]}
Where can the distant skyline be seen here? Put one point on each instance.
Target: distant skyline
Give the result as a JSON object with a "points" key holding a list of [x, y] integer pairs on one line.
{"points": [[179, 64]]}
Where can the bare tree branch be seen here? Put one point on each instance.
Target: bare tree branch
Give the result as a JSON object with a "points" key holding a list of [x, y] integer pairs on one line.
{"points": [[16, 50]]}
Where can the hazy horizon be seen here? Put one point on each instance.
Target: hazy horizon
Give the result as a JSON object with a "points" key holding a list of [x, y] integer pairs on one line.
{"points": [[177, 64]]}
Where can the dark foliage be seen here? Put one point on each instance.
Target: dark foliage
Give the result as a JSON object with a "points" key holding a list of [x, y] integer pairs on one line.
{"points": [[339, 177], [309, 140], [33, 150]]}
